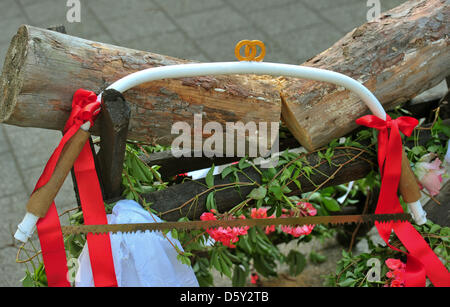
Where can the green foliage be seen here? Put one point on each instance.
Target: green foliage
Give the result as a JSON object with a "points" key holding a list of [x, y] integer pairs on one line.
{"points": [[352, 270], [296, 262], [137, 177], [35, 279]]}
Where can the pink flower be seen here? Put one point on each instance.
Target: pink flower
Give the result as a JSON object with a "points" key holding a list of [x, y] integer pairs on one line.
{"points": [[394, 264], [227, 236], [306, 209], [396, 273], [254, 278], [261, 213], [270, 229], [397, 283], [430, 173], [298, 230]]}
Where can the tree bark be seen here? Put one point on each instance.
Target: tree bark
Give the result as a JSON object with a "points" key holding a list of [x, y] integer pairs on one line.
{"points": [[357, 165], [401, 55], [44, 68], [173, 203]]}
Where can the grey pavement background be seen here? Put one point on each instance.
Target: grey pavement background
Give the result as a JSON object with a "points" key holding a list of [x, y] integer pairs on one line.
{"points": [[203, 30]]}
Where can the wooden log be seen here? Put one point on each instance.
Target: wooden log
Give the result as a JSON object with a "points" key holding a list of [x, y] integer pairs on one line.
{"points": [[170, 202], [397, 57], [404, 53], [171, 165], [44, 68]]}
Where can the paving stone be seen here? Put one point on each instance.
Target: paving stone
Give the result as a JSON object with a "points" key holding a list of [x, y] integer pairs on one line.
{"points": [[12, 210], [102, 38], [221, 47], [66, 196], [112, 9], [49, 13], [249, 6], [88, 26], [210, 23], [280, 19], [347, 18], [32, 146], [179, 8], [9, 25], [327, 4], [11, 272], [9, 8], [46, 12], [144, 23], [10, 179], [305, 43], [4, 146], [173, 44], [3, 49]]}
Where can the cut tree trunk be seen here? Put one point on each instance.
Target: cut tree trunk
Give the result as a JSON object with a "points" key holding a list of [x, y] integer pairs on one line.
{"points": [[44, 68], [173, 203], [401, 55], [189, 198]]}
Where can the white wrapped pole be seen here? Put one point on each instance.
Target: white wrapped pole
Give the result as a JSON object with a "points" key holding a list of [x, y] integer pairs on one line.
{"points": [[41, 199]]}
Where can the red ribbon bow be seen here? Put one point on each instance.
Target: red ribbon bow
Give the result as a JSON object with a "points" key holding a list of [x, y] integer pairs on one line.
{"points": [[85, 107], [422, 261]]}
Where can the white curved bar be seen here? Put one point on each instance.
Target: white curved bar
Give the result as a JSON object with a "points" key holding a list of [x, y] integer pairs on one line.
{"points": [[257, 68]]}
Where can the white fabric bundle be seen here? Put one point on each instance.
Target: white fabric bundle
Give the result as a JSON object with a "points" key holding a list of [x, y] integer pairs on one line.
{"points": [[142, 259]]}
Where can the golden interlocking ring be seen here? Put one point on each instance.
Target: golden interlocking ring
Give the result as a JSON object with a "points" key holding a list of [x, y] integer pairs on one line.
{"points": [[250, 50]]}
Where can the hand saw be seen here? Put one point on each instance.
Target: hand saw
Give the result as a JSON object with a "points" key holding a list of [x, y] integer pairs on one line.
{"points": [[298, 221]]}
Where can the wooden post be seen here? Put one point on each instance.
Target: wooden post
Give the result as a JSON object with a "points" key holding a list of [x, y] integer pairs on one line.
{"points": [[114, 120]]}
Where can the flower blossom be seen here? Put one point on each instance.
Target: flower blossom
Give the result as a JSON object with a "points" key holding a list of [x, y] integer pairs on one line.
{"points": [[429, 172], [306, 209], [261, 213], [226, 235], [254, 278], [396, 272]]}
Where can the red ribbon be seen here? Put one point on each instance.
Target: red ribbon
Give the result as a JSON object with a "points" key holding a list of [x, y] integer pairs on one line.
{"points": [[422, 261], [84, 108]]}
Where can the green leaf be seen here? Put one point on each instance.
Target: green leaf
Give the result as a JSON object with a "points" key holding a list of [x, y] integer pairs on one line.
{"points": [[258, 193], [239, 276], [27, 281], [243, 164], [210, 201], [296, 262], [346, 283], [277, 192], [210, 177], [317, 258], [331, 204], [225, 268], [228, 170]]}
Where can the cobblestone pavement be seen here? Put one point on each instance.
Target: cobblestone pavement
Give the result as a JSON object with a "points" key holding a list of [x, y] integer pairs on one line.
{"points": [[203, 30]]}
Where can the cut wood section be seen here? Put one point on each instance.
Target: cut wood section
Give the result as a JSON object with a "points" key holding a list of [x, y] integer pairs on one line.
{"points": [[398, 57], [403, 54], [44, 68]]}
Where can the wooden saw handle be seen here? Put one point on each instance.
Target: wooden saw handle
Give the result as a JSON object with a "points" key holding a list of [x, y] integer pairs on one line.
{"points": [[408, 186], [41, 199]]}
